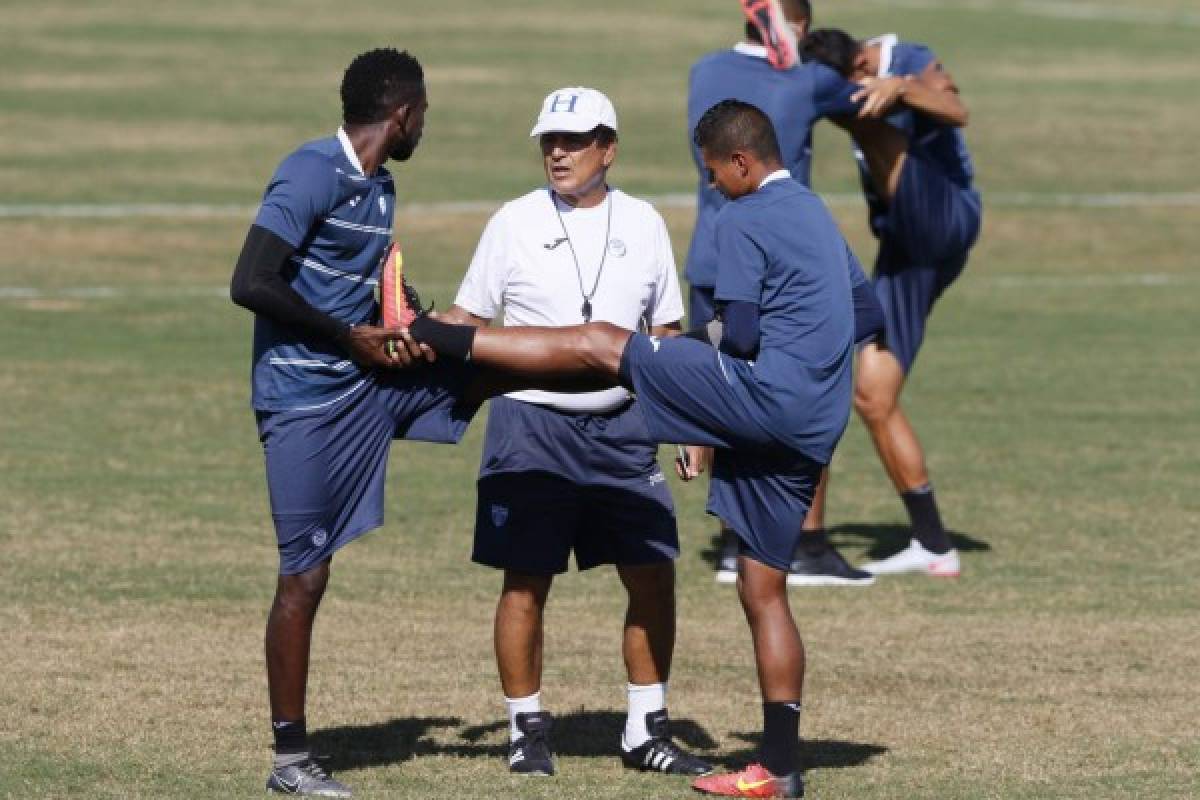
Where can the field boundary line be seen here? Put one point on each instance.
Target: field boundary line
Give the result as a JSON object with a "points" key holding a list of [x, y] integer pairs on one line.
{"points": [[675, 200], [1024, 281]]}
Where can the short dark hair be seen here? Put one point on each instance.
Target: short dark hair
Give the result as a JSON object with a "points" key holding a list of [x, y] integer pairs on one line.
{"points": [[377, 82], [734, 125], [832, 47], [792, 9]]}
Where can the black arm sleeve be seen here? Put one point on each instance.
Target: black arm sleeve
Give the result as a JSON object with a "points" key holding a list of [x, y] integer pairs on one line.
{"points": [[740, 335], [259, 285]]}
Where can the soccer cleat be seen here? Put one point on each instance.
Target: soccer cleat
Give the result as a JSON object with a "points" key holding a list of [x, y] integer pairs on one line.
{"points": [[306, 779], [660, 754], [916, 558], [727, 568], [530, 754], [774, 31], [826, 568], [398, 300], [753, 781]]}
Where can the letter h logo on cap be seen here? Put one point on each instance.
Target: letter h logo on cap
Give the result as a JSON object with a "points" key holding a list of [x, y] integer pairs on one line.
{"points": [[561, 103]]}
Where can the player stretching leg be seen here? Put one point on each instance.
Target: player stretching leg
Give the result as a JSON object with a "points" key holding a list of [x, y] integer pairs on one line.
{"points": [[917, 177], [327, 397], [773, 400]]}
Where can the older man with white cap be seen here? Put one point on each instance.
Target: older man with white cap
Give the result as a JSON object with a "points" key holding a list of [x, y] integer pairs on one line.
{"points": [[565, 473]]}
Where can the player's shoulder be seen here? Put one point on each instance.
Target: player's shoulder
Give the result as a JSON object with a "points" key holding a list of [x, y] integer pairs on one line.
{"points": [[312, 160], [520, 208], [909, 58]]}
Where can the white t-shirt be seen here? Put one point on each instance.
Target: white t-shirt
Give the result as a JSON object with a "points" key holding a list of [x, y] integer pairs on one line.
{"points": [[523, 268]]}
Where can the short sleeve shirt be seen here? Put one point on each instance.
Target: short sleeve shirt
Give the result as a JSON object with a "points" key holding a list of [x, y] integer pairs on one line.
{"points": [[538, 257], [340, 222]]}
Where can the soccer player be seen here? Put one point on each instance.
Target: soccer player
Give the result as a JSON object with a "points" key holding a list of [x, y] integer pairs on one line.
{"points": [[918, 180], [565, 472], [327, 398], [794, 98], [773, 400]]}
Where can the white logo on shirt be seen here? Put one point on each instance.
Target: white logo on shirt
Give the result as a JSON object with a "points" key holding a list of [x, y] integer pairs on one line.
{"points": [[354, 201], [655, 343], [382, 206], [616, 247], [657, 478], [319, 538]]}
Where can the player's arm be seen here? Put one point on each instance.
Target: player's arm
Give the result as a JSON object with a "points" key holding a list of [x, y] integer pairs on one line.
{"points": [[259, 285], [931, 92], [868, 313]]}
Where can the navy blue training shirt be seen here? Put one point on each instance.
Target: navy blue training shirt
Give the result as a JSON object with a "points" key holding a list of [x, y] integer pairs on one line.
{"points": [[780, 248], [794, 100], [340, 222]]}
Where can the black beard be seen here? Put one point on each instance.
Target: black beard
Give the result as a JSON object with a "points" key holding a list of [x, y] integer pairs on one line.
{"points": [[403, 150]]}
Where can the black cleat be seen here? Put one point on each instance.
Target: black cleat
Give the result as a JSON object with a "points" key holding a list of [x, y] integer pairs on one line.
{"points": [[306, 779], [826, 568], [530, 755], [660, 754]]}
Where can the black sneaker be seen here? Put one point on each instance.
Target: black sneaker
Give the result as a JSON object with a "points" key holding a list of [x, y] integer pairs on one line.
{"points": [[826, 568], [530, 755], [727, 557], [660, 754], [306, 779]]}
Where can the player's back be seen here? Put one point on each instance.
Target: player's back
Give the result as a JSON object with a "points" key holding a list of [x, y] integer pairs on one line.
{"points": [[781, 248], [793, 99]]}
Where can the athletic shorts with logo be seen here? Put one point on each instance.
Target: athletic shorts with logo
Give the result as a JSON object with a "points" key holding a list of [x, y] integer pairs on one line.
{"points": [[924, 240], [326, 467], [760, 488], [555, 482]]}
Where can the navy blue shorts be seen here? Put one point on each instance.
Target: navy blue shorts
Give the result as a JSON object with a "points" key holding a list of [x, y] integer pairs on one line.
{"points": [[326, 466], [924, 240], [760, 488], [553, 482]]}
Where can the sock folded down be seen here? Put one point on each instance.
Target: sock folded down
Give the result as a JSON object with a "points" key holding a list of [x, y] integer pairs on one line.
{"points": [[452, 341]]}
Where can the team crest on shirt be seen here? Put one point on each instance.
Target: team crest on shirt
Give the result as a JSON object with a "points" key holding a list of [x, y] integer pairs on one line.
{"points": [[616, 247], [320, 537], [499, 515]]}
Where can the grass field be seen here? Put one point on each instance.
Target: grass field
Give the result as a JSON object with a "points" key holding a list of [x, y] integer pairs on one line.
{"points": [[1058, 396]]}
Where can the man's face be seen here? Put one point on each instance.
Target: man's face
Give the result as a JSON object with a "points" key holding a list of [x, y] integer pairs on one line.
{"points": [[727, 174], [576, 163], [866, 63], [409, 128]]}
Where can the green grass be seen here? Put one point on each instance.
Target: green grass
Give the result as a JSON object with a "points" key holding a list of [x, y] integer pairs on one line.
{"points": [[1057, 396]]}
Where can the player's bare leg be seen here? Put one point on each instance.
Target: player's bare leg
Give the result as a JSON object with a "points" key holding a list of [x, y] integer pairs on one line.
{"points": [[593, 349], [649, 636], [289, 638], [518, 632], [877, 400]]}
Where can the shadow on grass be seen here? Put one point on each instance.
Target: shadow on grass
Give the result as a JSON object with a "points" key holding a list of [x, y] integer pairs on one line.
{"points": [[814, 753], [876, 540], [578, 733], [881, 541]]}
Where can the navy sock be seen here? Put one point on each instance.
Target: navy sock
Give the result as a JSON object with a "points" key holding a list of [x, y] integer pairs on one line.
{"points": [[926, 522], [290, 736], [452, 341], [781, 738], [814, 542]]}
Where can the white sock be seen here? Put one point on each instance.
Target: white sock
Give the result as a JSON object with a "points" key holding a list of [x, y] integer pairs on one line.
{"points": [[521, 705], [642, 700]]}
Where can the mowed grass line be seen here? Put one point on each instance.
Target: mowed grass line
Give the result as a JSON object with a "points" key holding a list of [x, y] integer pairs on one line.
{"points": [[138, 556]]}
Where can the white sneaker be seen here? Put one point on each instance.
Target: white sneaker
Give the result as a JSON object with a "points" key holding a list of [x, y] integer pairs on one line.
{"points": [[916, 558]]}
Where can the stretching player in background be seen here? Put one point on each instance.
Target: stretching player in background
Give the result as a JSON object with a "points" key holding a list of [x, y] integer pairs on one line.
{"points": [[794, 98], [917, 177], [773, 400]]}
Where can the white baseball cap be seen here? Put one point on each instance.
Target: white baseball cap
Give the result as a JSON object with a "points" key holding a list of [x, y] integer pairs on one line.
{"points": [[574, 109]]}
